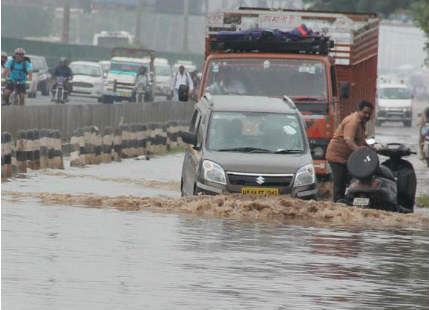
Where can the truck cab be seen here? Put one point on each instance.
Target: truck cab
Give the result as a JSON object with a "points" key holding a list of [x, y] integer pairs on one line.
{"points": [[121, 80], [342, 57]]}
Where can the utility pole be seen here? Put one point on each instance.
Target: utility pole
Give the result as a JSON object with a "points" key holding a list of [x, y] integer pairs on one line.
{"points": [[185, 26], [66, 22], [139, 10]]}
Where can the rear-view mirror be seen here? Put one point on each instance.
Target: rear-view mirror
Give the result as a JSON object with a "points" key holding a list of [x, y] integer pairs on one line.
{"points": [[189, 138], [345, 90]]}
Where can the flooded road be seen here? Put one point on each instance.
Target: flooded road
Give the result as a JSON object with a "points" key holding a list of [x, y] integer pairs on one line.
{"points": [[117, 236], [88, 239]]}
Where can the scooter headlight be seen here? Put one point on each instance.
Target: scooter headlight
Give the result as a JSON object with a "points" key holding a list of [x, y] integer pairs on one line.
{"points": [[305, 176], [213, 172]]}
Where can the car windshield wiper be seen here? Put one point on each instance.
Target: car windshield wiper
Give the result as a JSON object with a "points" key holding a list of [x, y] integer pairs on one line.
{"points": [[247, 149], [287, 151]]}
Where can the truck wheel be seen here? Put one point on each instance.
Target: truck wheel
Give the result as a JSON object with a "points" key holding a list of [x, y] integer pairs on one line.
{"points": [[407, 123], [107, 99]]}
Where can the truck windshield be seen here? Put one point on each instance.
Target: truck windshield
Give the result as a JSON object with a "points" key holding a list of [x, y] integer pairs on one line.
{"points": [[300, 79], [126, 66], [251, 132], [394, 93]]}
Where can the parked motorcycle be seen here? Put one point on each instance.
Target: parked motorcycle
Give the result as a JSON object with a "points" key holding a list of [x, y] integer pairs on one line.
{"points": [[389, 186]]}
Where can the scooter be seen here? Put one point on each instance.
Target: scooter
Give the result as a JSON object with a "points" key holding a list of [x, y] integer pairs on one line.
{"points": [[389, 186]]}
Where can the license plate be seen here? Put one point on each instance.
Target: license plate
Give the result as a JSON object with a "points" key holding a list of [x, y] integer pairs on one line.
{"points": [[360, 202], [259, 191]]}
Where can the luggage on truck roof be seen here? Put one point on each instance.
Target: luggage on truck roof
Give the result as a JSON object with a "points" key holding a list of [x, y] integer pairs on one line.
{"points": [[271, 41], [354, 35]]}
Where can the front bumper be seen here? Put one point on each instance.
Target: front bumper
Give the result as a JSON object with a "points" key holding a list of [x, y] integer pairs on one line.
{"points": [[303, 192], [394, 115], [119, 93], [86, 91]]}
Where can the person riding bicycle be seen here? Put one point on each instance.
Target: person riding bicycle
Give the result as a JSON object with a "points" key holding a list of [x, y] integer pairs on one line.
{"points": [[62, 70], [16, 71]]}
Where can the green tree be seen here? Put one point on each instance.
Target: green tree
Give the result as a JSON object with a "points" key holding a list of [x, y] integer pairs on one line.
{"points": [[382, 7]]}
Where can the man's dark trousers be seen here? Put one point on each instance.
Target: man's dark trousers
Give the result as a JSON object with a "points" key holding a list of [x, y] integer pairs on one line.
{"points": [[341, 178]]}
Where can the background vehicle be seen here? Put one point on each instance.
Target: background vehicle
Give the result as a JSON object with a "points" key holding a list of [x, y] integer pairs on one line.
{"points": [[112, 38], [249, 145], [163, 77], [41, 76], [105, 66], [121, 79], [390, 186], [87, 79], [394, 104], [189, 66], [324, 78]]}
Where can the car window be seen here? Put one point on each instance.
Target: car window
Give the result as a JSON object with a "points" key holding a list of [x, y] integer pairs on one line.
{"points": [[272, 132], [85, 69]]}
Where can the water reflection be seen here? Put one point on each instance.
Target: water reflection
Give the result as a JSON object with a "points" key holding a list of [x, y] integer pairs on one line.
{"points": [[57, 257]]}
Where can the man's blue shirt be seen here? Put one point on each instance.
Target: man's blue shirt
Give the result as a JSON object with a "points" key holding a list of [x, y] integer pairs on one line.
{"points": [[18, 74]]}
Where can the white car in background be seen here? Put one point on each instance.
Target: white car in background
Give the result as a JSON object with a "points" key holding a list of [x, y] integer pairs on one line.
{"points": [[87, 79], [163, 76], [394, 104]]}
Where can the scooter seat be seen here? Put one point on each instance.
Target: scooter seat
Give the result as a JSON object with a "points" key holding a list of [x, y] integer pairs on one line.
{"points": [[385, 172]]}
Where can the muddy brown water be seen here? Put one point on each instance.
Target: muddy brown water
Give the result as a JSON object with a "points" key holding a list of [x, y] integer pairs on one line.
{"points": [[117, 236]]}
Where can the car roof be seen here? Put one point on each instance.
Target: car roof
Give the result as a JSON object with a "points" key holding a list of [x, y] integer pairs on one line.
{"points": [[130, 59], [392, 85], [234, 103], [88, 63]]}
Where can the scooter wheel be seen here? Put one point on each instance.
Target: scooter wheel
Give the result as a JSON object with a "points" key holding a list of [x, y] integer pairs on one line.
{"points": [[362, 163]]}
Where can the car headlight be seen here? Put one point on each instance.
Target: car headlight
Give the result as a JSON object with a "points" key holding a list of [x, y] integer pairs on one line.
{"points": [[305, 176], [212, 172]]}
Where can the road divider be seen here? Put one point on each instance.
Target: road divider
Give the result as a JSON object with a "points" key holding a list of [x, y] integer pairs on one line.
{"points": [[42, 148]]}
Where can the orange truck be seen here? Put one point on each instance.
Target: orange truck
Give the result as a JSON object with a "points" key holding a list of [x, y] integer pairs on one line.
{"points": [[326, 80]]}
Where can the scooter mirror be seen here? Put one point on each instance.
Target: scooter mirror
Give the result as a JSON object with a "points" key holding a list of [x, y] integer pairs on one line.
{"points": [[370, 141]]}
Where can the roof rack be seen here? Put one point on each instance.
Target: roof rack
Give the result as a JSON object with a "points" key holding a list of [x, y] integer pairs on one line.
{"points": [[320, 46], [289, 102]]}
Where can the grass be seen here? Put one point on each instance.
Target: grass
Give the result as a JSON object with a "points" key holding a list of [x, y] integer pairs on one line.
{"points": [[423, 201]]}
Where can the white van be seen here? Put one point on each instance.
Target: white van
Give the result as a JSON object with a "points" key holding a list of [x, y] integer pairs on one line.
{"points": [[394, 104]]}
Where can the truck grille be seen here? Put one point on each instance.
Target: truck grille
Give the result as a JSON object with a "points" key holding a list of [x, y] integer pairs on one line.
{"points": [[259, 180]]}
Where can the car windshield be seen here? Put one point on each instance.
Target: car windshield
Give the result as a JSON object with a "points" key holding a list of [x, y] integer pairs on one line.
{"points": [[299, 79], [394, 93], [84, 69], [126, 66], [251, 132], [163, 70]]}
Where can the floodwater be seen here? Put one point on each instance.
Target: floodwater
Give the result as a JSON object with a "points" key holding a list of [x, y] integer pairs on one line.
{"points": [[117, 236]]}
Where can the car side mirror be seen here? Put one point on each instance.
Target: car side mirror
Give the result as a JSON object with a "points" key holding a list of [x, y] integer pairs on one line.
{"points": [[189, 138], [344, 90]]}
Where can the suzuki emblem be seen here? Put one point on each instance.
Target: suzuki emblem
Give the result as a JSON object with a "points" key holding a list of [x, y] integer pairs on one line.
{"points": [[260, 180]]}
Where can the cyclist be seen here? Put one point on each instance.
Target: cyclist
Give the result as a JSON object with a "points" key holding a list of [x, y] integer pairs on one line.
{"points": [[16, 71]]}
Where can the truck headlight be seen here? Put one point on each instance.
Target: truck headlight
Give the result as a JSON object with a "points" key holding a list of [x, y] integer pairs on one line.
{"points": [[305, 176], [318, 152], [213, 172]]}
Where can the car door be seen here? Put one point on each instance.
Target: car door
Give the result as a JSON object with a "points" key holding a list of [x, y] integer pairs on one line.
{"points": [[190, 161]]}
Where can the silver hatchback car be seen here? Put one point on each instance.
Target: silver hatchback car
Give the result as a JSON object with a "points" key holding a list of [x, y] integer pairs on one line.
{"points": [[248, 145]]}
